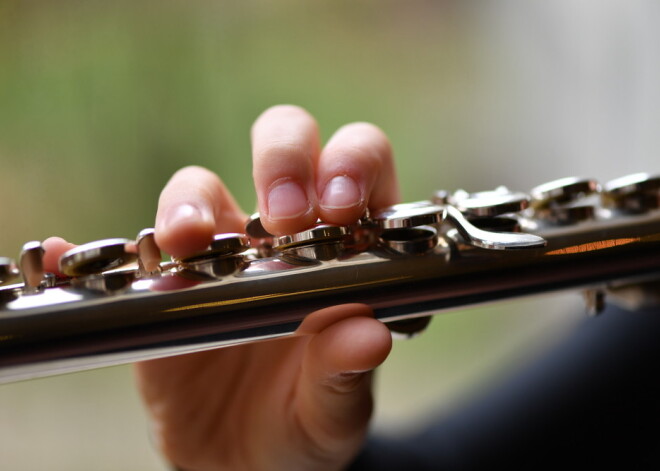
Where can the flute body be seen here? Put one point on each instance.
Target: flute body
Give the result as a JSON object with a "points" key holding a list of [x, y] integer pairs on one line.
{"points": [[406, 262]]}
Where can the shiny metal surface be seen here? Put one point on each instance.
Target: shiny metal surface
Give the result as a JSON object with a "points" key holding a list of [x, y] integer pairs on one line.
{"points": [[222, 245], [635, 193], [31, 264], [635, 183], [568, 214], [563, 190], [490, 203], [97, 257], [121, 315], [255, 229], [420, 213], [318, 234], [488, 239], [410, 240], [566, 201]]}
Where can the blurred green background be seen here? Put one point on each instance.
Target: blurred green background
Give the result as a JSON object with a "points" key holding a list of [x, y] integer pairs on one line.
{"points": [[100, 102]]}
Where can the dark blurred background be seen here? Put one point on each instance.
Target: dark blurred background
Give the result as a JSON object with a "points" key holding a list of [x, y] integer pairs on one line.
{"points": [[100, 102]]}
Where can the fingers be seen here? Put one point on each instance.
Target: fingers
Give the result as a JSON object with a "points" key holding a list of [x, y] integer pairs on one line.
{"points": [[335, 385], [297, 183], [54, 247], [285, 145], [193, 206], [355, 170]]}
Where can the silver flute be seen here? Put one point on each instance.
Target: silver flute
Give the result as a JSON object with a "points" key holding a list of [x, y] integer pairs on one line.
{"points": [[114, 301]]}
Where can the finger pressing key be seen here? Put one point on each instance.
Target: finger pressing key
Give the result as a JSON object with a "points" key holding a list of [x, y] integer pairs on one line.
{"points": [[355, 171], [285, 147], [193, 207]]}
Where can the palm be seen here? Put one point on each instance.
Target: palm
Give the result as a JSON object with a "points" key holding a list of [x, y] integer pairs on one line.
{"points": [[217, 405], [244, 408]]}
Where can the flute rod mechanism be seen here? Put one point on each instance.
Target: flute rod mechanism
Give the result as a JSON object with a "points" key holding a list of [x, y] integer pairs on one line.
{"points": [[405, 262]]}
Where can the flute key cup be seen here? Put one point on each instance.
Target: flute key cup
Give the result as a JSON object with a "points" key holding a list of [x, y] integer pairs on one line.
{"points": [[98, 257]]}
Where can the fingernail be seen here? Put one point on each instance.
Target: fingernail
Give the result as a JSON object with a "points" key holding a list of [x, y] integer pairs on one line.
{"points": [[341, 192], [186, 213], [287, 200]]}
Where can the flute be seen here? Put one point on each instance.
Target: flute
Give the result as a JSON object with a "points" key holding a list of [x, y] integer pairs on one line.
{"points": [[118, 302]]}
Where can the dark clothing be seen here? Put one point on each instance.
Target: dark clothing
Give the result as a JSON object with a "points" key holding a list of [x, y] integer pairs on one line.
{"points": [[593, 400]]}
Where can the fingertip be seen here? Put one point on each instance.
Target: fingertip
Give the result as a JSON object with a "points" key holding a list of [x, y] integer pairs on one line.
{"points": [[353, 345], [277, 113], [288, 207], [321, 319], [56, 242], [343, 200], [192, 208], [184, 229], [54, 247], [355, 171], [335, 391], [285, 147]]}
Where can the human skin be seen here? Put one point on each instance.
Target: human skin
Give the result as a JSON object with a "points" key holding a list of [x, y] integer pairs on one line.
{"points": [[298, 403]]}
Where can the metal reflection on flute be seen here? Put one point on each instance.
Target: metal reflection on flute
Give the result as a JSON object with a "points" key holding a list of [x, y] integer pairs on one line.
{"points": [[113, 303]]}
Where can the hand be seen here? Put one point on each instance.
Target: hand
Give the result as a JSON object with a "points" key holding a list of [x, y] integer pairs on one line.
{"points": [[299, 403]]}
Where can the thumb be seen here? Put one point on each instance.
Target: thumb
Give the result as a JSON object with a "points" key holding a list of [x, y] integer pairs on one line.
{"points": [[334, 393]]}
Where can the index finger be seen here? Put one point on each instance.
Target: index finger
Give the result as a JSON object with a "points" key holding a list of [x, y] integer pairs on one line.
{"points": [[193, 207]]}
